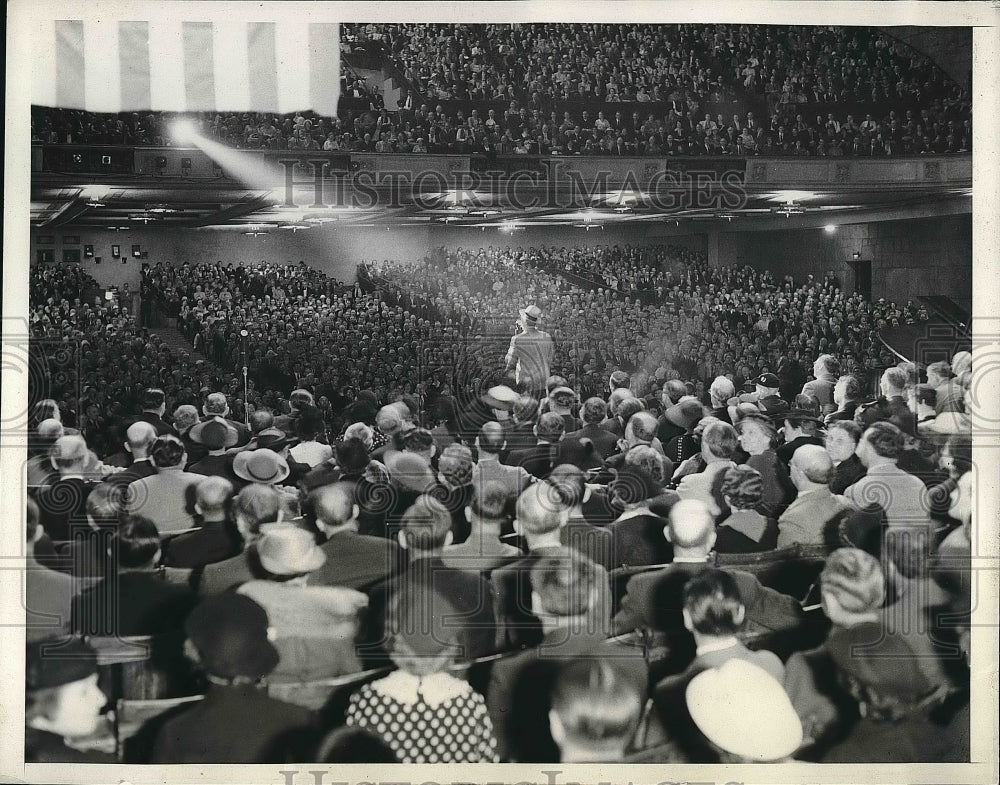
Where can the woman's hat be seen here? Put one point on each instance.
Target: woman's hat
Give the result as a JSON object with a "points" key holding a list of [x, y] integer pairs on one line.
{"points": [[685, 414], [214, 434], [230, 632], [284, 549], [500, 397], [262, 465]]}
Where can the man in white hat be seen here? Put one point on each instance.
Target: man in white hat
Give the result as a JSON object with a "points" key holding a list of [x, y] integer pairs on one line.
{"points": [[531, 352]]}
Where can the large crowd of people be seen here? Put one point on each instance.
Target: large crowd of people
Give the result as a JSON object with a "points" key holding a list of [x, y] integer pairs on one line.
{"points": [[681, 530], [560, 89]]}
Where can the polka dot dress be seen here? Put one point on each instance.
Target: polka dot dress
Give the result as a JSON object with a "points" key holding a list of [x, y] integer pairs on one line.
{"points": [[422, 727]]}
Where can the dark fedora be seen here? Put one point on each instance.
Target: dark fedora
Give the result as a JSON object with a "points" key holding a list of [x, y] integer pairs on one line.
{"points": [[214, 434], [685, 414]]}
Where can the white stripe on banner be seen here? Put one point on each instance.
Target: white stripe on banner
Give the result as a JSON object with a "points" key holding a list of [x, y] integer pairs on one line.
{"points": [[324, 67], [199, 71], [232, 86], [166, 65], [43, 63], [133, 57], [102, 80], [69, 64], [292, 49], [262, 67]]}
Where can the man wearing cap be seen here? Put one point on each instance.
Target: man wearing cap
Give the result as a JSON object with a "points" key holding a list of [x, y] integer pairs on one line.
{"points": [[236, 722], [531, 352], [766, 388], [62, 701]]}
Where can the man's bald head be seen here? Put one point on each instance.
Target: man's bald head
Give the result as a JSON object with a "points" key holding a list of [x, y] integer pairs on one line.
{"points": [[691, 526], [541, 510], [213, 495], [491, 438], [69, 453], [139, 438], [333, 505], [814, 463]]}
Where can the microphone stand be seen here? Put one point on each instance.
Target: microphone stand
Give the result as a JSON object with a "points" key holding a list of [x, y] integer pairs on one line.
{"points": [[246, 392]]}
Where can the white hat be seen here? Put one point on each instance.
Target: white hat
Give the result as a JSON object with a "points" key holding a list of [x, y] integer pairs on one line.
{"points": [[742, 709]]}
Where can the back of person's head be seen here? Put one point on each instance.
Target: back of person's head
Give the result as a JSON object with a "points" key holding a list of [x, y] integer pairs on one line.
{"points": [[388, 420], [105, 505], [525, 408], [261, 420], [49, 430], [595, 710], [619, 380], [814, 462], [617, 397], [854, 579], [691, 526], [332, 505], [540, 510], [166, 452], [553, 382], [894, 381], [675, 389], [885, 439], [423, 636], [213, 495], [650, 461], [743, 487], [140, 437], [153, 399], [961, 362], [491, 438], [721, 390], [851, 387], [300, 398], [551, 427], [570, 483], [456, 465], [629, 408], [565, 582], [186, 415], [720, 439], [419, 440], [594, 411], [361, 432], [350, 744], [828, 364], [426, 525], [138, 541], [489, 499], [642, 425], [310, 423], [257, 504], [942, 369], [69, 453], [46, 409], [712, 604]]}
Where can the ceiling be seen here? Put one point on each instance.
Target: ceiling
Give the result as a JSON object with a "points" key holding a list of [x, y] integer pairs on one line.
{"points": [[219, 205]]}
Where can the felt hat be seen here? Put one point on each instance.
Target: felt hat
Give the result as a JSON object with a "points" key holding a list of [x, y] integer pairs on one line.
{"points": [[284, 549], [767, 380], [214, 434], [531, 313], [261, 465], [685, 414], [742, 709], [880, 660]]}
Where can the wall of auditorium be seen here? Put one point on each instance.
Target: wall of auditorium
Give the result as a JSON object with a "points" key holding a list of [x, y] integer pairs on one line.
{"points": [[335, 251], [909, 258]]}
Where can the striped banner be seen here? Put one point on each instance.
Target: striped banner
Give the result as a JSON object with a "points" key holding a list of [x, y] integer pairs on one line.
{"points": [[173, 65]]}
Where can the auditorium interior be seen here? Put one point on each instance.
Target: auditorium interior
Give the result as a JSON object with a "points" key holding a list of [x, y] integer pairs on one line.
{"points": [[577, 393]]}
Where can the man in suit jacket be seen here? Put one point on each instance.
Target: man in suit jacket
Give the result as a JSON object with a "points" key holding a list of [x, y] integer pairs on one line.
{"points": [[63, 503], [539, 460], [903, 496], [139, 440], [154, 405], [185, 418], [48, 593], [637, 534], [566, 587], [136, 601], [353, 560], [640, 431], [490, 444], [253, 506], [718, 444], [891, 406], [483, 550], [519, 429], [825, 369], [593, 413], [425, 532], [842, 437], [594, 542], [806, 518], [167, 497], [236, 722], [654, 600], [217, 539]]}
